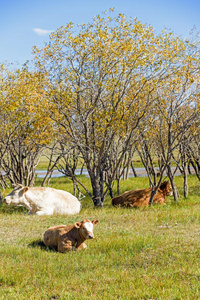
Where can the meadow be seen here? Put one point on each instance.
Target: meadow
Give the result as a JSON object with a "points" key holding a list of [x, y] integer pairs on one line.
{"points": [[148, 253]]}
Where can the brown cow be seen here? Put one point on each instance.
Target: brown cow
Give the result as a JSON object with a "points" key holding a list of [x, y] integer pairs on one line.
{"points": [[137, 198], [66, 238]]}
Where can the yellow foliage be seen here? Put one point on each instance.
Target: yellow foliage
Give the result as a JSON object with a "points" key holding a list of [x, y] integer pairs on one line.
{"points": [[24, 107], [100, 80]]}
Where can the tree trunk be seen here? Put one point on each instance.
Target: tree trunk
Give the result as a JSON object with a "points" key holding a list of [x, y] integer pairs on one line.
{"points": [[184, 169], [97, 186], [156, 186], [185, 182], [154, 191], [97, 196], [1, 198], [133, 169], [174, 188]]}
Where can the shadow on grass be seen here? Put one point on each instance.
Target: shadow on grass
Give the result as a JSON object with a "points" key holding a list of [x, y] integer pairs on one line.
{"points": [[7, 209], [40, 244]]}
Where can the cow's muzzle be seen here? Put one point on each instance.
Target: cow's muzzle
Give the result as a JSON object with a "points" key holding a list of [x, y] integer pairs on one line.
{"points": [[90, 236], [6, 201]]}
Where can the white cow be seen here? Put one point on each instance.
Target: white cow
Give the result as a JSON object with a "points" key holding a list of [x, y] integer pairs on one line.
{"points": [[43, 200]]}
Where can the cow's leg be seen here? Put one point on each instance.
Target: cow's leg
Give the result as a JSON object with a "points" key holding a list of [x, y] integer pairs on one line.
{"points": [[65, 246], [82, 246], [43, 212], [40, 213]]}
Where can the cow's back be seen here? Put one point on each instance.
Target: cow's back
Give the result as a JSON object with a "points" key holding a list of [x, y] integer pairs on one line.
{"points": [[138, 198], [58, 201], [65, 202], [54, 234], [133, 198]]}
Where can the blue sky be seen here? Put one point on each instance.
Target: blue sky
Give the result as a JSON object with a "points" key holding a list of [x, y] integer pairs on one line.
{"points": [[25, 23]]}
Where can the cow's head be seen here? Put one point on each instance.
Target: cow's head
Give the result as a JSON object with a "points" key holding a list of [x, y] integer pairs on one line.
{"points": [[86, 228], [16, 197], [166, 188]]}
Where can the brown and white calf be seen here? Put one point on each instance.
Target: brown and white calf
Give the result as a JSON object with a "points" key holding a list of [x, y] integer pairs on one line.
{"points": [[72, 237], [137, 198]]}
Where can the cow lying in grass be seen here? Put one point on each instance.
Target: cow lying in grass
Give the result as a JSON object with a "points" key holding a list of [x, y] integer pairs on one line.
{"points": [[43, 200], [66, 238], [137, 198]]}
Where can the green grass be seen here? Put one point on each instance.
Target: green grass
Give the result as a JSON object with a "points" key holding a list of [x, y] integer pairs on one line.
{"points": [[149, 253], [43, 163], [44, 160]]}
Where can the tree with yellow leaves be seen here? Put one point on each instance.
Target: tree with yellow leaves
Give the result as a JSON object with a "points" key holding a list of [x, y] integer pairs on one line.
{"points": [[173, 113], [100, 80], [25, 126]]}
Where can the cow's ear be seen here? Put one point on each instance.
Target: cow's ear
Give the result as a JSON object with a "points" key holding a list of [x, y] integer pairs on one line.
{"points": [[24, 190], [163, 185], [94, 222], [77, 224]]}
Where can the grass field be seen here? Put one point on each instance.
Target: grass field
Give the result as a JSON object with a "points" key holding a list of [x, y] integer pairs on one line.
{"points": [[151, 253]]}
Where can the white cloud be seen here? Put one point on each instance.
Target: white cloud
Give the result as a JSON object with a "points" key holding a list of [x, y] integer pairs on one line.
{"points": [[40, 31]]}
